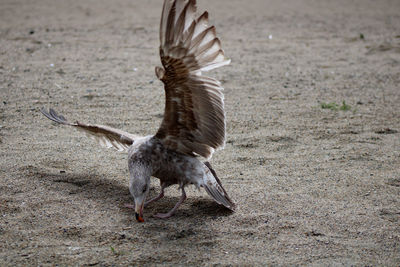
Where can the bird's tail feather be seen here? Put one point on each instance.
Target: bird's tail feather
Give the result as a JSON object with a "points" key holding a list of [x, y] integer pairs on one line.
{"points": [[214, 188]]}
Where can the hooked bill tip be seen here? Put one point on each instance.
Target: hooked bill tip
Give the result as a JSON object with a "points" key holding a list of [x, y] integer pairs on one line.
{"points": [[138, 218]]}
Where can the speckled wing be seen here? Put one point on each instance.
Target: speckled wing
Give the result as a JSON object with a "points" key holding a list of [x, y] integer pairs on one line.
{"points": [[104, 135], [194, 117]]}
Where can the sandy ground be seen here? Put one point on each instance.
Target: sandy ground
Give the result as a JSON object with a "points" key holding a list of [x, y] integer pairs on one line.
{"points": [[313, 186]]}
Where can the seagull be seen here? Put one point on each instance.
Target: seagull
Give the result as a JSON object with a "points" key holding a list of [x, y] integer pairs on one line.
{"points": [[193, 126]]}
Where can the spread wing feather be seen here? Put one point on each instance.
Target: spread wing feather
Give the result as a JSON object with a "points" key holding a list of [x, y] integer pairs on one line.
{"points": [[194, 118], [104, 135]]}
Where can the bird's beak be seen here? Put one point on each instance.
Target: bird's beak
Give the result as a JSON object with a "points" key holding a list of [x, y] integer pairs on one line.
{"points": [[139, 211]]}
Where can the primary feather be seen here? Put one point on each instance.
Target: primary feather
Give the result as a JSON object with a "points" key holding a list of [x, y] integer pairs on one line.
{"points": [[104, 135]]}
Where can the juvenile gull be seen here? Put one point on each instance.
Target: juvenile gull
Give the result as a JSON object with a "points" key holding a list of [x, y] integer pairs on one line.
{"points": [[194, 121]]}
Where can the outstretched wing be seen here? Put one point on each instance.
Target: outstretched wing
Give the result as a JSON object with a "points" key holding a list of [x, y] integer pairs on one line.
{"points": [[104, 135], [194, 118]]}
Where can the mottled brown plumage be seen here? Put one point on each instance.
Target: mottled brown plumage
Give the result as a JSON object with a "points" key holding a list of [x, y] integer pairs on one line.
{"points": [[194, 119]]}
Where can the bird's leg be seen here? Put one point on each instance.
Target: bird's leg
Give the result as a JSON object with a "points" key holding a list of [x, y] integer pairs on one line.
{"points": [[171, 212], [161, 195], [130, 206]]}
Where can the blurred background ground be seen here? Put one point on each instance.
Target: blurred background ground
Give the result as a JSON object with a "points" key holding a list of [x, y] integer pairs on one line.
{"points": [[312, 155]]}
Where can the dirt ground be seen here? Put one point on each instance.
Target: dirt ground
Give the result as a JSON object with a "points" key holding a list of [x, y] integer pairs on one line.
{"points": [[313, 185]]}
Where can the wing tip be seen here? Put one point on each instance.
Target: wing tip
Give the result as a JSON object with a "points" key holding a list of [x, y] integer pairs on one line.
{"points": [[191, 37], [51, 114], [204, 16]]}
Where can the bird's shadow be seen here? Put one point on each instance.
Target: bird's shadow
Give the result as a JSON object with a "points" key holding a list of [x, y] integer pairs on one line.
{"points": [[107, 191]]}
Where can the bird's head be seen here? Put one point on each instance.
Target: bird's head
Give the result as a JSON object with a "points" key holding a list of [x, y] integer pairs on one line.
{"points": [[139, 187]]}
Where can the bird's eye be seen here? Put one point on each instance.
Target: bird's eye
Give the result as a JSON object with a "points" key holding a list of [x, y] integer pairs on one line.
{"points": [[144, 189]]}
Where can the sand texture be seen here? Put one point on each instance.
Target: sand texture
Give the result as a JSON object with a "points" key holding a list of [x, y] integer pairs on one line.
{"points": [[313, 185]]}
